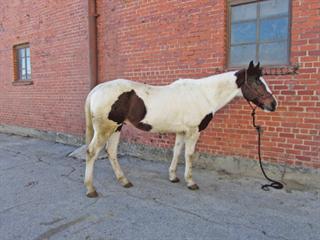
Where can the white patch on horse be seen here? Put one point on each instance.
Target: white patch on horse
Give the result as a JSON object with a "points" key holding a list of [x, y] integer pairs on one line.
{"points": [[269, 91], [265, 84]]}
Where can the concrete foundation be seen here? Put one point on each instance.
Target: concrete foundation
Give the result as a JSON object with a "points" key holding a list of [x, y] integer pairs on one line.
{"points": [[293, 177], [45, 135]]}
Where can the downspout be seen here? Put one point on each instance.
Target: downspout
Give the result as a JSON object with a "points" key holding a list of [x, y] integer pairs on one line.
{"points": [[92, 42]]}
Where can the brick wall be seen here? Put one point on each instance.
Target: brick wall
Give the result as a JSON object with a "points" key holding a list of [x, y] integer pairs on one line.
{"points": [[57, 33], [159, 41]]}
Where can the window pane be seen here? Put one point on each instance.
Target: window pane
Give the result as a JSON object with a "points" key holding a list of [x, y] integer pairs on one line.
{"points": [[274, 7], [241, 55], [274, 29], [244, 12], [243, 32], [21, 53], [28, 52], [28, 66], [23, 74], [274, 53], [22, 63]]}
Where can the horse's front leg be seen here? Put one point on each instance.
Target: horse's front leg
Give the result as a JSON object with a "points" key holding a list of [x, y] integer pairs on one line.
{"points": [[176, 153], [190, 144]]}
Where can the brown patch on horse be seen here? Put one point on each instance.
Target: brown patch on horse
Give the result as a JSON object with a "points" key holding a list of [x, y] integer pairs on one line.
{"points": [[205, 121], [131, 107], [119, 128]]}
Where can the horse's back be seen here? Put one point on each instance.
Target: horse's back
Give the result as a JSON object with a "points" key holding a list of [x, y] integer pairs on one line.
{"points": [[110, 90], [166, 106], [104, 95]]}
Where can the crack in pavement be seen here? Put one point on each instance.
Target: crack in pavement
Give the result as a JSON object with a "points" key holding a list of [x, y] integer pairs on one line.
{"points": [[39, 159], [52, 222], [90, 204], [259, 231], [53, 231], [16, 152], [13, 207], [31, 184], [16, 166], [68, 174]]}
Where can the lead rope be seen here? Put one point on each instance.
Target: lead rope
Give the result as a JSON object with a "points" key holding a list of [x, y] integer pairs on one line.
{"points": [[273, 184]]}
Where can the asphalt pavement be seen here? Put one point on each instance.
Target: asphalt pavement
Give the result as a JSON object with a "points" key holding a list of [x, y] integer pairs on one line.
{"points": [[43, 197]]}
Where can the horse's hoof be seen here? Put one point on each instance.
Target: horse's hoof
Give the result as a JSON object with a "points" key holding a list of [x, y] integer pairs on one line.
{"points": [[193, 187], [175, 180], [128, 185], [93, 194]]}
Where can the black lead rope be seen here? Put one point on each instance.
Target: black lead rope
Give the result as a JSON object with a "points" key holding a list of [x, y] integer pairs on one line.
{"points": [[273, 184]]}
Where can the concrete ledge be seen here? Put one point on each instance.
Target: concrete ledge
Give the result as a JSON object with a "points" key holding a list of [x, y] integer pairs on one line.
{"points": [[45, 135], [295, 178]]}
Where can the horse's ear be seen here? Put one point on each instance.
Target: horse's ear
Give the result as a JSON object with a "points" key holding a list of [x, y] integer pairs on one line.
{"points": [[258, 69], [251, 65], [251, 68]]}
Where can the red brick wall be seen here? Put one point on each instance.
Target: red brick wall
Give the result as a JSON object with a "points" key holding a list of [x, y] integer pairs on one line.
{"points": [[57, 33], [159, 41]]}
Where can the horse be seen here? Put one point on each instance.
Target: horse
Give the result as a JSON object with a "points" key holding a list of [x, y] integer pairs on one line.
{"points": [[184, 107]]}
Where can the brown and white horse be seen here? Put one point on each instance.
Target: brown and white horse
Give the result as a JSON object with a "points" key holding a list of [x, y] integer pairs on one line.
{"points": [[184, 107]]}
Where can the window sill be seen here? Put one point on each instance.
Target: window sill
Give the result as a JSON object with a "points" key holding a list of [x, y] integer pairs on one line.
{"points": [[275, 70], [22, 82]]}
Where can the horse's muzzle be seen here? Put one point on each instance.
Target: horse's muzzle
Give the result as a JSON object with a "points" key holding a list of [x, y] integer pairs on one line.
{"points": [[271, 107]]}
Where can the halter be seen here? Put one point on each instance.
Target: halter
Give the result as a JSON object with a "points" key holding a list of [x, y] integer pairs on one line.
{"points": [[252, 89], [273, 184]]}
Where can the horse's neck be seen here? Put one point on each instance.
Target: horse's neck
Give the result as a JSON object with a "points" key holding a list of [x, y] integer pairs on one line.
{"points": [[220, 89]]}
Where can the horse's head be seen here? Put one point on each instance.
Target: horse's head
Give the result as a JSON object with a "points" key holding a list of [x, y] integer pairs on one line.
{"points": [[254, 88]]}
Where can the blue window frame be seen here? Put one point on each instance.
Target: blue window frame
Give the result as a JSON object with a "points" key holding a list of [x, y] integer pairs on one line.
{"points": [[259, 31]]}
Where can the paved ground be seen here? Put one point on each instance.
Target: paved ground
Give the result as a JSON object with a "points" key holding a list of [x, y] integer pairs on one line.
{"points": [[42, 197]]}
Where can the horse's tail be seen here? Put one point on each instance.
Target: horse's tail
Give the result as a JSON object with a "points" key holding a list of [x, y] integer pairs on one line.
{"points": [[89, 127]]}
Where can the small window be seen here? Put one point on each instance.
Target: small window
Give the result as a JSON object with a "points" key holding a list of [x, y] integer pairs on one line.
{"points": [[259, 31], [22, 62]]}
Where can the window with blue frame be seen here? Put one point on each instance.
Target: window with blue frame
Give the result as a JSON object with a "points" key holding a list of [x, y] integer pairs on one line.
{"points": [[259, 31]]}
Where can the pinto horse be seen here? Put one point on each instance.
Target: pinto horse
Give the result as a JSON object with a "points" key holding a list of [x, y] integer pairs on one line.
{"points": [[184, 107]]}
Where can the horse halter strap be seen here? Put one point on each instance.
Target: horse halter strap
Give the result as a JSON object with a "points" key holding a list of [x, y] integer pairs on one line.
{"points": [[252, 93], [274, 184]]}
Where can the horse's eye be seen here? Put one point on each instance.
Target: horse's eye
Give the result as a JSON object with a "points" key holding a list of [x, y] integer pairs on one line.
{"points": [[259, 82]]}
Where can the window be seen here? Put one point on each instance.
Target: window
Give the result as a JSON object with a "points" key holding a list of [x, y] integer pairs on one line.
{"points": [[259, 31], [22, 62]]}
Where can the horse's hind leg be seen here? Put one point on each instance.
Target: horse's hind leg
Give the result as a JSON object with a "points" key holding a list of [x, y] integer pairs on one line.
{"points": [[95, 146], [176, 153], [112, 147]]}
